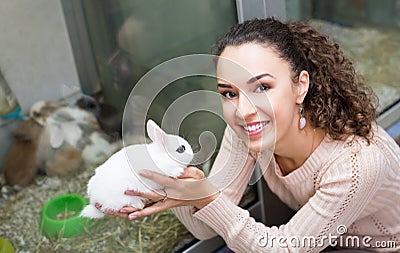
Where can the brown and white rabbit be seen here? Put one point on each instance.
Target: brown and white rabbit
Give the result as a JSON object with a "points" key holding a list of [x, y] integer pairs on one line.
{"points": [[167, 154], [72, 139]]}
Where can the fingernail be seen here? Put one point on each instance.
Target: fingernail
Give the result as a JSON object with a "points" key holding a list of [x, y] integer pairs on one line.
{"points": [[128, 192], [124, 210], [143, 173], [132, 216]]}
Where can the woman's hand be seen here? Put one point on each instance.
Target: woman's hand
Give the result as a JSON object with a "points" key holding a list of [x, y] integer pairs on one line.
{"points": [[190, 189], [123, 213]]}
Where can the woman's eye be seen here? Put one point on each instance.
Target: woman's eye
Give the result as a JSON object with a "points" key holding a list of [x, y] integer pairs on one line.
{"points": [[228, 94], [262, 88]]}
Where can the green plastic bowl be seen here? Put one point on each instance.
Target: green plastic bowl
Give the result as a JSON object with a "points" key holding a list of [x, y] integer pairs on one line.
{"points": [[5, 246], [60, 216]]}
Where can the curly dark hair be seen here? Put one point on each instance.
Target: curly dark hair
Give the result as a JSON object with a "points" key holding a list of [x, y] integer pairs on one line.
{"points": [[338, 100]]}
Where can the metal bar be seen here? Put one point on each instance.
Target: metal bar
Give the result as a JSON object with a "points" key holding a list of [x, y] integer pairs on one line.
{"points": [[275, 8], [249, 9], [81, 47], [390, 116]]}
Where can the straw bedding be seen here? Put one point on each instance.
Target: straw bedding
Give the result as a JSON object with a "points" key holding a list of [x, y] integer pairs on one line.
{"points": [[20, 212]]}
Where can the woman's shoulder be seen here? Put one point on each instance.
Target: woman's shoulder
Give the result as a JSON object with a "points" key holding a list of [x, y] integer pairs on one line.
{"points": [[380, 144], [378, 156]]}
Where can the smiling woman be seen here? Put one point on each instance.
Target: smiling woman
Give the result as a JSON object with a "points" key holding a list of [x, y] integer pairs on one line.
{"points": [[253, 106], [301, 100]]}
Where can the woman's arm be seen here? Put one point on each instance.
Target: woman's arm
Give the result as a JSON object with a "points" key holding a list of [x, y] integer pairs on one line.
{"points": [[230, 172], [345, 189]]}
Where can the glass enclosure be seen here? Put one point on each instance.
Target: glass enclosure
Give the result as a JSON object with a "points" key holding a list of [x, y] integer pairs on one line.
{"points": [[368, 31], [129, 38]]}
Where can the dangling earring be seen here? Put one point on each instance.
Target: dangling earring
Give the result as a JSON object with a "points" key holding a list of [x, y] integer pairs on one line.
{"points": [[302, 122]]}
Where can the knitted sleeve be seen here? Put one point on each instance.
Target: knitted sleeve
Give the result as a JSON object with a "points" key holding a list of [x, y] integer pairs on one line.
{"points": [[230, 173], [345, 187]]}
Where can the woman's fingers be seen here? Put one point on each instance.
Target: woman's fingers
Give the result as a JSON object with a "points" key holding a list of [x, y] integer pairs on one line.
{"points": [[192, 172], [115, 213], [121, 213], [151, 209], [157, 177], [128, 209], [131, 193], [153, 195], [189, 172]]}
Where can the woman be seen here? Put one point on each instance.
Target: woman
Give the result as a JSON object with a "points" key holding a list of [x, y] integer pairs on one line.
{"points": [[331, 162]]}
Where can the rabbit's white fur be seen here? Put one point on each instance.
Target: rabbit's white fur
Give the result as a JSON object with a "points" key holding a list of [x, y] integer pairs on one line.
{"points": [[120, 172]]}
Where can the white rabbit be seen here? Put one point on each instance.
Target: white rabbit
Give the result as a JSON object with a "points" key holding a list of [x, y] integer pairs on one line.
{"points": [[167, 154]]}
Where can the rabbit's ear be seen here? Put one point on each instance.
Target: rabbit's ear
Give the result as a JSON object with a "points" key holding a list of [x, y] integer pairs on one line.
{"points": [[155, 132], [56, 136]]}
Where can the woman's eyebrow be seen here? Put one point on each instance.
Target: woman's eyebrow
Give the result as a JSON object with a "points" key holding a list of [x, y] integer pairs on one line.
{"points": [[251, 80], [224, 85], [257, 77]]}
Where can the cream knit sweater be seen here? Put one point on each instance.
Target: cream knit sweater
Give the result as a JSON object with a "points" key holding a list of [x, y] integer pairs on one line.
{"points": [[342, 185]]}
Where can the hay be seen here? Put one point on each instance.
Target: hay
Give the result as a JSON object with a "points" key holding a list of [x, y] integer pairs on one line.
{"points": [[374, 53], [20, 212]]}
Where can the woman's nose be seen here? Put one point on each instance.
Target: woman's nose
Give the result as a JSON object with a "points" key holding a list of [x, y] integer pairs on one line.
{"points": [[245, 106]]}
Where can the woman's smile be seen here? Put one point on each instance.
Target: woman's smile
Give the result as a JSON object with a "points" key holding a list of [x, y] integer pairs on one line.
{"points": [[255, 128]]}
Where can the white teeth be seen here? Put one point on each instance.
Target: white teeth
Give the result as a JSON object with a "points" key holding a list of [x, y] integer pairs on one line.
{"points": [[254, 127]]}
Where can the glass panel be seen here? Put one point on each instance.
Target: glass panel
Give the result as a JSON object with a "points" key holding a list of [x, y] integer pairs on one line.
{"points": [[368, 31], [131, 37]]}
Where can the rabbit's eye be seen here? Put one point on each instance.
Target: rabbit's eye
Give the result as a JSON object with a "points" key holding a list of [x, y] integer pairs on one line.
{"points": [[181, 149]]}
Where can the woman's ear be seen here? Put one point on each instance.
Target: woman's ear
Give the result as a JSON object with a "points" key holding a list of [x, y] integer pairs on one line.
{"points": [[303, 85]]}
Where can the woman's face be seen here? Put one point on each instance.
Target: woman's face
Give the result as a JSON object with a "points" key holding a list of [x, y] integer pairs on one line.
{"points": [[260, 102]]}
